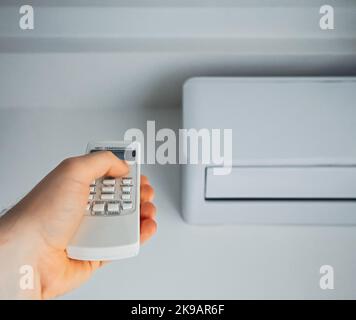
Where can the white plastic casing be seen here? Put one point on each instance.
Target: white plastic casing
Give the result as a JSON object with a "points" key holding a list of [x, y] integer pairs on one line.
{"points": [[292, 150], [101, 238]]}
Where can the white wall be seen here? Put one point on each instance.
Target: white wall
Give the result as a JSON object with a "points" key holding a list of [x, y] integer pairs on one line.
{"points": [[138, 53]]}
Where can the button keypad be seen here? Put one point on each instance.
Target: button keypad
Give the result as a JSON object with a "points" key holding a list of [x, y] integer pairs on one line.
{"points": [[126, 189], [109, 196], [113, 207], [110, 189], [126, 205], [109, 182], [126, 181], [99, 207], [126, 196]]}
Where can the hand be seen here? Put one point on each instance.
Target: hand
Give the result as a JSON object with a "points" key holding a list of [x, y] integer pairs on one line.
{"points": [[38, 229]]}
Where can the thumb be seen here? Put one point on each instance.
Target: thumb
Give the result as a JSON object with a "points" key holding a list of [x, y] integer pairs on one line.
{"points": [[92, 166]]}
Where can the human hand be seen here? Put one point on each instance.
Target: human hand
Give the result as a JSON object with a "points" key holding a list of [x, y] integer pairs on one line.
{"points": [[38, 229]]}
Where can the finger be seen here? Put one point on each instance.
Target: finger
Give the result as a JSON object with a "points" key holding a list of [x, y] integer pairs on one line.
{"points": [[95, 165], [148, 210], [148, 229], [144, 180], [147, 193]]}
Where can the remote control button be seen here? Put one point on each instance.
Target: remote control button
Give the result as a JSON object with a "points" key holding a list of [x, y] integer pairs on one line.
{"points": [[126, 181], [92, 189], [126, 196], [113, 207], [107, 196], [110, 189], [99, 207], [109, 182], [126, 189], [126, 205], [92, 183], [91, 197]]}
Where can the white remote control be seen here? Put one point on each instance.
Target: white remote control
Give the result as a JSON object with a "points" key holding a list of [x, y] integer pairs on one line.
{"points": [[110, 228]]}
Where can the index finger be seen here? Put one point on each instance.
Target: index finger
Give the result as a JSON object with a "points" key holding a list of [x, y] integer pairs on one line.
{"points": [[96, 165]]}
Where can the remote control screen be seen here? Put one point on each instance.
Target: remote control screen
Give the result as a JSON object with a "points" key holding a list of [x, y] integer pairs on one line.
{"points": [[119, 153], [123, 154]]}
